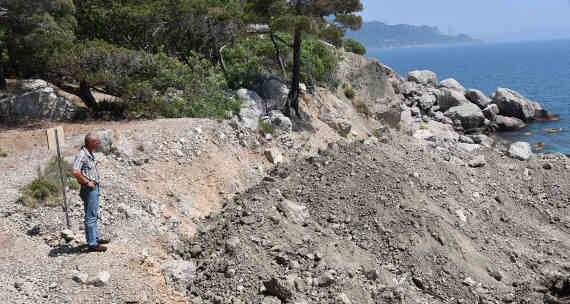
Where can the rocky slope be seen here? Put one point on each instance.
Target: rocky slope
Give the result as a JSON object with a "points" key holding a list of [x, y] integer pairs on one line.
{"points": [[342, 207]]}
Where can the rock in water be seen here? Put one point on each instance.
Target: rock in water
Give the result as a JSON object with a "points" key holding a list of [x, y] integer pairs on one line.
{"points": [[477, 97], [509, 123], [521, 151], [252, 108], [470, 115], [491, 111], [451, 98], [452, 84], [513, 104], [424, 77]]}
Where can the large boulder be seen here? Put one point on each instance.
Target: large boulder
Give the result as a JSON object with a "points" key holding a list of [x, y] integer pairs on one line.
{"points": [[470, 115], [428, 98], [424, 77], [452, 84], [505, 123], [513, 104], [252, 108], [491, 112], [280, 123], [521, 150], [275, 93], [477, 97], [38, 99], [451, 98]]}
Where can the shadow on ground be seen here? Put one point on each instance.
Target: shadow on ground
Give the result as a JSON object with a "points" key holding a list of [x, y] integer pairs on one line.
{"points": [[67, 250]]}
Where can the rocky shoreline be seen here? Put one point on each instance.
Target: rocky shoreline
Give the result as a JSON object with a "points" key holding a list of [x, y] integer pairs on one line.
{"points": [[432, 109], [379, 198]]}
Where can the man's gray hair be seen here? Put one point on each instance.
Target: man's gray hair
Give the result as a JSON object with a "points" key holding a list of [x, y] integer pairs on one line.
{"points": [[89, 137]]}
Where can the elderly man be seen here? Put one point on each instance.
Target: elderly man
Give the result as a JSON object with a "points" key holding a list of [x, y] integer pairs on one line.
{"points": [[87, 174]]}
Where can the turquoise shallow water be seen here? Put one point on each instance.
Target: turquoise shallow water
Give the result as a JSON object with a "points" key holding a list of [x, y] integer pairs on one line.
{"points": [[538, 70]]}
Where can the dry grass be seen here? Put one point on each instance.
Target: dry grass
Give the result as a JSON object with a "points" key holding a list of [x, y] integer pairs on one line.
{"points": [[45, 190]]}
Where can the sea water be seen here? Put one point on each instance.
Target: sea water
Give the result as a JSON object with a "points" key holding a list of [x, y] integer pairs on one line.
{"points": [[538, 70]]}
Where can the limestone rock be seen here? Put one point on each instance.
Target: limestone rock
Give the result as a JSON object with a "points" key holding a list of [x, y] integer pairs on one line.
{"points": [[100, 279], [521, 151], [513, 104], [280, 123], [274, 155], [470, 115], [451, 98], [40, 100], [67, 235], [178, 274], [275, 94], [478, 162], [252, 108], [479, 98], [509, 123], [424, 77], [278, 288], [491, 111], [107, 139], [452, 84]]}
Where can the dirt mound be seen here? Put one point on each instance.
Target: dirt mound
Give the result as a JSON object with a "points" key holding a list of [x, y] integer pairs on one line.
{"points": [[391, 224]]}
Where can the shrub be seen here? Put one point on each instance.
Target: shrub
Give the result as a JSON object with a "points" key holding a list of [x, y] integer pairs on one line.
{"points": [[362, 108], [142, 80], [353, 46], [318, 63], [266, 128], [3, 154], [348, 91], [45, 190]]}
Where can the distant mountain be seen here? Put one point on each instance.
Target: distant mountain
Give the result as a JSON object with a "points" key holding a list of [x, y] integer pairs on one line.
{"points": [[380, 35]]}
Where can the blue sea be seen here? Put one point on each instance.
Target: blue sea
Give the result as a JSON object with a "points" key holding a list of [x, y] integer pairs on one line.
{"points": [[538, 70]]}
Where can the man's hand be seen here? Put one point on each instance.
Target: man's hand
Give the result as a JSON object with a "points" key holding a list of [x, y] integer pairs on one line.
{"points": [[91, 185]]}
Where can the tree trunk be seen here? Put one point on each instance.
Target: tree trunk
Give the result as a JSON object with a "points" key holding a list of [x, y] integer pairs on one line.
{"points": [[294, 94], [86, 96], [3, 83], [278, 55]]}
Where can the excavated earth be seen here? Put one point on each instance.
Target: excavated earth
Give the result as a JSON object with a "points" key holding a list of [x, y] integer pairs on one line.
{"points": [[391, 223]]}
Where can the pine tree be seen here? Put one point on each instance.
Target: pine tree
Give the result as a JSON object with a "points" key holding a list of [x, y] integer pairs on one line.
{"points": [[327, 19]]}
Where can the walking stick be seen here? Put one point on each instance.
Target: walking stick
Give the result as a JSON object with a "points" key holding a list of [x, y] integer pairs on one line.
{"points": [[63, 188]]}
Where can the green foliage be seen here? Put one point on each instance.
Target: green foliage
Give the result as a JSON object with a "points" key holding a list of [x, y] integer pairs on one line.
{"points": [[45, 190], [362, 108], [353, 46], [3, 154], [247, 59], [141, 80], [318, 62], [348, 91], [266, 128], [36, 30], [343, 133]]}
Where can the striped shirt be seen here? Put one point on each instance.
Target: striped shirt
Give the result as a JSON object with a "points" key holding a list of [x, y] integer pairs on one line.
{"points": [[85, 162]]}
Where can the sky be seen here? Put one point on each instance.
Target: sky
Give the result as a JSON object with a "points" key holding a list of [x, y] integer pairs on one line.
{"points": [[490, 20]]}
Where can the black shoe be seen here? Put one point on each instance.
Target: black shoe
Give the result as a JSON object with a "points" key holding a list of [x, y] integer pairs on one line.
{"points": [[97, 248], [103, 242]]}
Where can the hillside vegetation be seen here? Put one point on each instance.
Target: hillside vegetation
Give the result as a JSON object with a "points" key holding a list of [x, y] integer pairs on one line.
{"points": [[167, 58]]}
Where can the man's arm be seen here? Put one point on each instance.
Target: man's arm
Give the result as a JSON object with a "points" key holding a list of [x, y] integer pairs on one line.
{"points": [[77, 173]]}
